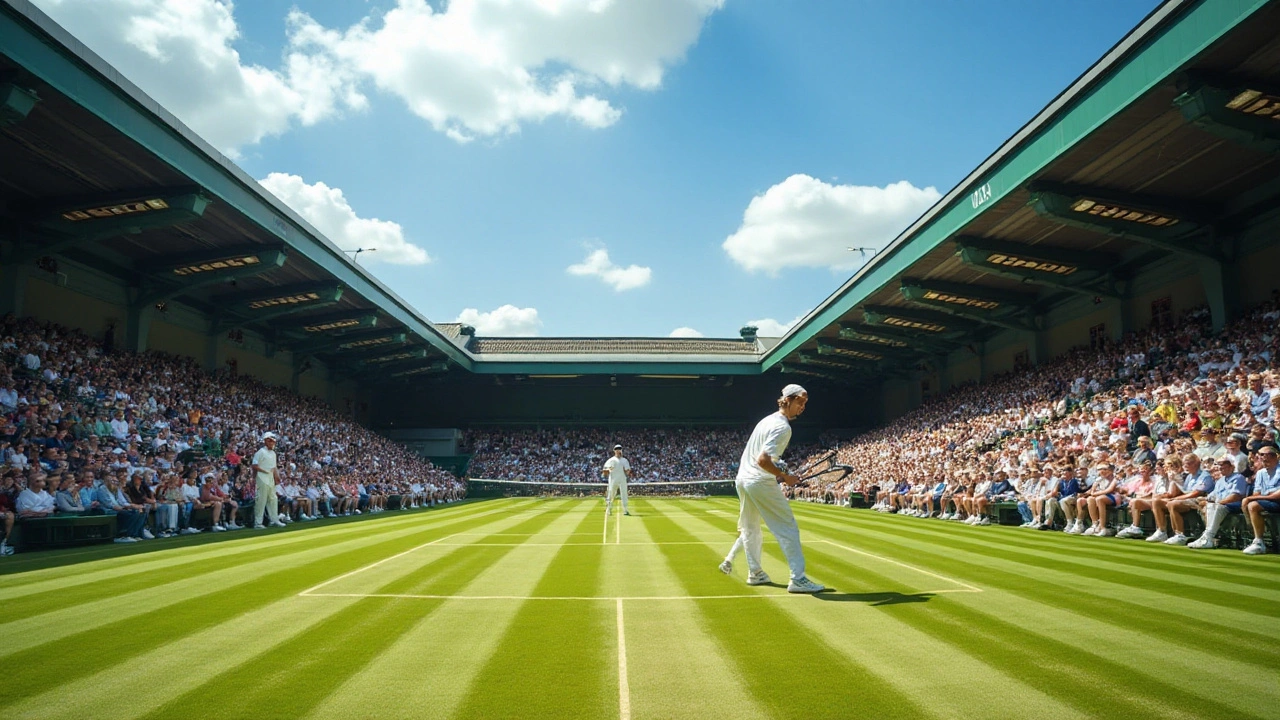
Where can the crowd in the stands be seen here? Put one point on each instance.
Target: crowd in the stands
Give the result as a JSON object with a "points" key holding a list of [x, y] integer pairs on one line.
{"points": [[157, 441], [1177, 420], [579, 454]]}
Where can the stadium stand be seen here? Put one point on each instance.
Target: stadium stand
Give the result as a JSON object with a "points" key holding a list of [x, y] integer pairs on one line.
{"points": [[100, 444], [577, 454], [1132, 411]]}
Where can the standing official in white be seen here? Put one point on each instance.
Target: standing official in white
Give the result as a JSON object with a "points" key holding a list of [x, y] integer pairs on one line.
{"points": [[264, 471], [760, 495], [616, 470]]}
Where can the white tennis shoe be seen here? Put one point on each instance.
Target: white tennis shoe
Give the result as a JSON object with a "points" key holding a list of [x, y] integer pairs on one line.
{"points": [[805, 585], [726, 567], [760, 578]]}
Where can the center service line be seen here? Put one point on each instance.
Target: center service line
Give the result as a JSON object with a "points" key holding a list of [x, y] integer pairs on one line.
{"points": [[624, 691]]}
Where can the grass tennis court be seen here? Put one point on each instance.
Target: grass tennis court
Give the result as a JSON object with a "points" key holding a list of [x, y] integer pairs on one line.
{"points": [[529, 608]]}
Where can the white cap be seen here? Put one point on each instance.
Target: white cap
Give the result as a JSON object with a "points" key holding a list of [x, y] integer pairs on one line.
{"points": [[269, 436], [793, 389]]}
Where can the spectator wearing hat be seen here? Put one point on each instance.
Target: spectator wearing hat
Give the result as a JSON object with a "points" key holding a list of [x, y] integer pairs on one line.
{"points": [[1209, 448], [264, 471]]}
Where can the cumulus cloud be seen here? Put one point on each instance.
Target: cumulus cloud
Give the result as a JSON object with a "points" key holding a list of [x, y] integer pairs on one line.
{"points": [[805, 222], [506, 321], [181, 53], [328, 210], [768, 327], [597, 264], [471, 68], [481, 68], [685, 332]]}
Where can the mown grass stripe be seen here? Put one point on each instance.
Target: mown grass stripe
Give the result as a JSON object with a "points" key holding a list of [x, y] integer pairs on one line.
{"points": [[1227, 566], [434, 661], [758, 636], [355, 636], [61, 622], [1159, 643], [90, 651], [1188, 569], [156, 564], [556, 660], [1116, 588], [34, 566]]}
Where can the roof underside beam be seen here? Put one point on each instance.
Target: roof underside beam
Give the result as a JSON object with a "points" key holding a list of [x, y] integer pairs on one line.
{"points": [[811, 371], [1173, 225], [65, 224], [922, 321], [892, 337], [169, 277], [1238, 109], [1085, 273]]}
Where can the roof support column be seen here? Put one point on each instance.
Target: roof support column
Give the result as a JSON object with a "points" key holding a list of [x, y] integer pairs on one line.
{"points": [[214, 355], [13, 287], [137, 327], [1037, 346], [944, 372], [1221, 289]]}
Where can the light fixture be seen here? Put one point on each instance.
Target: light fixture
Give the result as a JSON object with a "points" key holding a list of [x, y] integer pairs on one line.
{"points": [[913, 324], [293, 299], [1024, 263], [1256, 102], [917, 293], [370, 342], [1112, 211], [238, 261], [116, 210], [333, 325]]}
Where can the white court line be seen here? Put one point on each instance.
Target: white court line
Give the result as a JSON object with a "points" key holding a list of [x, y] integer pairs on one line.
{"points": [[967, 586], [330, 581], [587, 598], [571, 544], [720, 512], [617, 538], [604, 537], [624, 691], [522, 598]]}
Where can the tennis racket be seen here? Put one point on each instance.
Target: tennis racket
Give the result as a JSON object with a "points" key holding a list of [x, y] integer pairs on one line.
{"points": [[823, 470]]}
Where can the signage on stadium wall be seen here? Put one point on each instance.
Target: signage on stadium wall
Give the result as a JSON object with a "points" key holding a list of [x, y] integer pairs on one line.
{"points": [[981, 196]]}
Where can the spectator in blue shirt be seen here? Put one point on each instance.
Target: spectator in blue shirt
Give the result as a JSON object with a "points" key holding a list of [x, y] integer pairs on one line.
{"points": [[1223, 500], [1265, 497]]}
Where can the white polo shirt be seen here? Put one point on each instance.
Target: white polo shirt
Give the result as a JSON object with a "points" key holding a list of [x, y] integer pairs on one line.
{"points": [[771, 435], [618, 468], [266, 461]]}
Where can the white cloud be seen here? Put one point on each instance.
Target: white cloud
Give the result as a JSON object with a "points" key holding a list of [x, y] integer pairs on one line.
{"points": [[481, 68], [329, 211], [770, 328], [472, 68], [805, 222], [181, 53], [685, 332], [506, 321], [598, 264]]}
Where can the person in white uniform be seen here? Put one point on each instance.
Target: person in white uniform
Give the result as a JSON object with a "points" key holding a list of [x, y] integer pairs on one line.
{"points": [[264, 471], [617, 470], [760, 495]]}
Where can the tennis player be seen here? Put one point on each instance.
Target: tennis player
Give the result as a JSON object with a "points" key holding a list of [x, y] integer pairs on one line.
{"points": [[760, 495], [616, 470]]}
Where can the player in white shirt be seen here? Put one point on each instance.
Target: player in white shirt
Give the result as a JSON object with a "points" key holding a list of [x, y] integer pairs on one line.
{"points": [[264, 470], [761, 498], [616, 470]]}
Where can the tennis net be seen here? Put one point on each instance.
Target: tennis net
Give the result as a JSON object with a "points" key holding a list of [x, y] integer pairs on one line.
{"points": [[484, 487]]}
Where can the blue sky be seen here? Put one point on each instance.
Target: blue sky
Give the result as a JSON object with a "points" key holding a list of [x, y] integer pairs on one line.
{"points": [[795, 128]]}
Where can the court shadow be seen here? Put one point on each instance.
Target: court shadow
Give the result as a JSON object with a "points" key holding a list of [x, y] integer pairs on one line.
{"points": [[874, 599]]}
